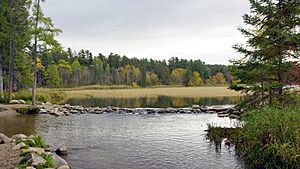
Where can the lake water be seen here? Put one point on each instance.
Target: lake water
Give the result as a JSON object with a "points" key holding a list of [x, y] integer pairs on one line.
{"points": [[129, 141], [154, 102]]}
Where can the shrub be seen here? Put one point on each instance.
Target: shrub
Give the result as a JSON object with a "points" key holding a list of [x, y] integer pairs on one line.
{"points": [[270, 138], [28, 110]]}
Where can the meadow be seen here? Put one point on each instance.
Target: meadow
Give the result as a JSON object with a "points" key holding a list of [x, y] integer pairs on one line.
{"points": [[149, 92]]}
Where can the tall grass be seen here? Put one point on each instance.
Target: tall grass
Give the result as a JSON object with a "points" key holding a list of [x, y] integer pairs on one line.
{"points": [[153, 92], [270, 137], [42, 96]]}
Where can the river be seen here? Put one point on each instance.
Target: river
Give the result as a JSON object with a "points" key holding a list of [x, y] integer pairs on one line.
{"points": [[118, 141]]}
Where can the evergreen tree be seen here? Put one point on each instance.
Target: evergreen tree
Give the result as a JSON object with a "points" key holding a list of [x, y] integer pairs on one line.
{"points": [[273, 41]]}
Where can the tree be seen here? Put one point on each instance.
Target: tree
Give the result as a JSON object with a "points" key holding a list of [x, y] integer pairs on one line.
{"points": [[218, 79], [4, 33], [11, 51], [45, 35], [98, 70], [107, 75], [195, 80], [178, 76], [273, 40], [52, 76], [76, 67]]}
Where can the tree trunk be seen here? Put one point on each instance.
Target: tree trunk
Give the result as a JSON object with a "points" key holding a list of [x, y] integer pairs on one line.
{"points": [[35, 57], [11, 53], [1, 74]]}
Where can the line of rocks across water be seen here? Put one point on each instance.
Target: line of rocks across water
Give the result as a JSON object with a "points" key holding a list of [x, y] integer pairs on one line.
{"points": [[66, 110]]}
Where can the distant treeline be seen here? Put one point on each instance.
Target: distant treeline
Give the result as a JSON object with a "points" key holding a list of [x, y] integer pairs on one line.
{"points": [[30, 57], [71, 69]]}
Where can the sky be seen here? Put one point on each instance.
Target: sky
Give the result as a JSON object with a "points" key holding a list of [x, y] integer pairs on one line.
{"points": [[157, 29]]}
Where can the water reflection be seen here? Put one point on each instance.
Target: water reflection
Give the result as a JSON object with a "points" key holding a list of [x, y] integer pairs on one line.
{"points": [[16, 124], [154, 102]]}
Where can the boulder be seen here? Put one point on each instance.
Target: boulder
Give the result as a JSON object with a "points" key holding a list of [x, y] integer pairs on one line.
{"points": [[35, 150], [19, 136], [30, 167], [19, 146], [17, 102], [59, 114], [195, 106], [58, 160], [43, 111], [63, 150], [211, 112], [64, 167], [4, 139], [35, 160]]}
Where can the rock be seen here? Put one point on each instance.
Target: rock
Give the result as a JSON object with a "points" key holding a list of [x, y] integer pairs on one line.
{"points": [[210, 112], [30, 167], [223, 115], [35, 150], [13, 102], [74, 112], [43, 111], [58, 160], [17, 102], [35, 160], [110, 109], [64, 167], [4, 139], [195, 106], [19, 136], [48, 103], [19, 146], [59, 114], [204, 109], [63, 150]]}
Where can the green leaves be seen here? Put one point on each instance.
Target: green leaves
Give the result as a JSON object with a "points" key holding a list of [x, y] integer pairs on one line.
{"points": [[273, 41]]}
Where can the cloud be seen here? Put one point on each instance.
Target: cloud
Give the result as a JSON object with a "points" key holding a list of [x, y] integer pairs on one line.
{"points": [[160, 29]]}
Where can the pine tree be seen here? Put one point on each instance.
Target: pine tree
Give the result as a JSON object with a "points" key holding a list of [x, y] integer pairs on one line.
{"points": [[273, 41]]}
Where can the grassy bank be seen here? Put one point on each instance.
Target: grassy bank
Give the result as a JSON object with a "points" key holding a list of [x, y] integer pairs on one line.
{"points": [[270, 137], [42, 96], [150, 92]]}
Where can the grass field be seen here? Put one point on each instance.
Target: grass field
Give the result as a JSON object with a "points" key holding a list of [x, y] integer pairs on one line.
{"points": [[151, 92]]}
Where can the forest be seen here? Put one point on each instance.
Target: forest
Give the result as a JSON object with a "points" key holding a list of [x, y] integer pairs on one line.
{"points": [[28, 47]]}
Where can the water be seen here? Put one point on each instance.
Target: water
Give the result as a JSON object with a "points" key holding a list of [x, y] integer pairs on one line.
{"points": [[154, 102], [129, 141]]}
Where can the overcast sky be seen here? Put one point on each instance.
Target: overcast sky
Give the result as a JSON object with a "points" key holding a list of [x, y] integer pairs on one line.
{"points": [[158, 29]]}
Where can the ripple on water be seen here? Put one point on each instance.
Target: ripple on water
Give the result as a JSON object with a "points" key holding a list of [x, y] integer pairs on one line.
{"points": [[137, 141]]}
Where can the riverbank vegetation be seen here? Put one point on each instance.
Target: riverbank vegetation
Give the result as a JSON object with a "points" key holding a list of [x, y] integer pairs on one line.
{"points": [[153, 92], [269, 138], [270, 133]]}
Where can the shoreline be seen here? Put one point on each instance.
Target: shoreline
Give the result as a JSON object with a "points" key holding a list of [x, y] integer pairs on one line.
{"points": [[21, 151]]}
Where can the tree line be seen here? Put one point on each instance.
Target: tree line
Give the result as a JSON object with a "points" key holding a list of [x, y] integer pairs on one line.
{"points": [[31, 57], [70, 69]]}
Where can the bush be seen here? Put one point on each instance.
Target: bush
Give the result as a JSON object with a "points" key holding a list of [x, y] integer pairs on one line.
{"points": [[28, 110], [270, 138]]}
